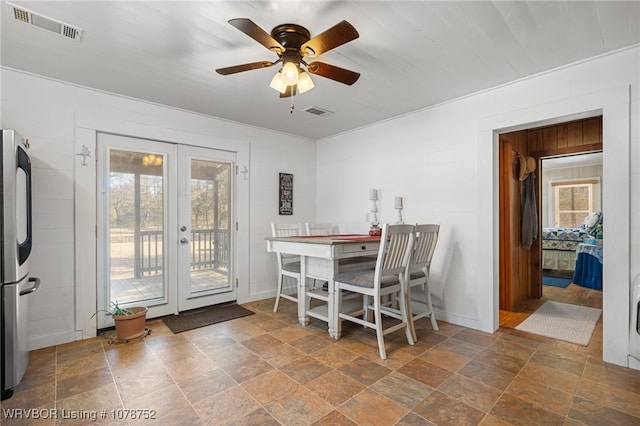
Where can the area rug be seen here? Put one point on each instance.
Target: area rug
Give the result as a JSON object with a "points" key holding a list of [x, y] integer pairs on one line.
{"points": [[197, 318], [556, 281], [562, 321]]}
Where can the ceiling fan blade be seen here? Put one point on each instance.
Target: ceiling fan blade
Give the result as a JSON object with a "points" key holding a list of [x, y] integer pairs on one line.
{"points": [[291, 91], [251, 29], [335, 36], [244, 67], [333, 72]]}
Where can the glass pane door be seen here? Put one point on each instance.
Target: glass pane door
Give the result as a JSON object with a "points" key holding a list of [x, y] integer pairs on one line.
{"points": [[206, 227], [136, 226], [135, 212]]}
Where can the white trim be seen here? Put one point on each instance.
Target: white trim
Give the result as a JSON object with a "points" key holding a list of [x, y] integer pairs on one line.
{"points": [[613, 104], [50, 340], [85, 234]]}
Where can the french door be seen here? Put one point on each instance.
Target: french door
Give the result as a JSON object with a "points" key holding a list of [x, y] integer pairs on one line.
{"points": [[206, 227], [167, 239]]}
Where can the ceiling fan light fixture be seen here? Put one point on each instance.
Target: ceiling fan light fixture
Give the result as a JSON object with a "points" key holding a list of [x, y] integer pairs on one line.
{"points": [[304, 82], [292, 43], [290, 73], [277, 83]]}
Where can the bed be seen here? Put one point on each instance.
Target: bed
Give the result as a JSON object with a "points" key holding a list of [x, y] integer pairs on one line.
{"points": [[559, 244]]}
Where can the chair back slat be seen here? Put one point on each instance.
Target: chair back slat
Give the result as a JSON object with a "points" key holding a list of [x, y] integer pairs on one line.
{"points": [[395, 248], [320, 229], [286, 229], [424, 245]]}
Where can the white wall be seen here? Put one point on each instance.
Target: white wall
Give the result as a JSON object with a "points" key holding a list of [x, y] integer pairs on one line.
{"points": [[59, 118], [443, 161]]}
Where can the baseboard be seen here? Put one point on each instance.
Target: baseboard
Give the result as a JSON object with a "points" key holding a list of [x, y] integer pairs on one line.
{"points": [[461, 320], [53, 340], [258, 296]]}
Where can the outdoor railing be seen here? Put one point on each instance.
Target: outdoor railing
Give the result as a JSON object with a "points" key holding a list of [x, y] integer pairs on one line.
{"points": [[209, 249]]}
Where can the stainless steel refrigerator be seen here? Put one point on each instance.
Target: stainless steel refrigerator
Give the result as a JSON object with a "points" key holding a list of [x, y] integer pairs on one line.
{"points": [[16, 230]]}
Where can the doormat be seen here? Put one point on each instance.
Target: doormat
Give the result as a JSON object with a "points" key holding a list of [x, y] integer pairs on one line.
{"points": [[197, 318], [556, 281], [562, 321]]}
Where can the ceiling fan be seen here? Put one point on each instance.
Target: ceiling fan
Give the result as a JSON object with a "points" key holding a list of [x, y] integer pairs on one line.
{"points": [[293, 45]]}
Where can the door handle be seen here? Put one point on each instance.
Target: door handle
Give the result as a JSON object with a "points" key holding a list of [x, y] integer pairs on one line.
{"points": [[183, 240]]}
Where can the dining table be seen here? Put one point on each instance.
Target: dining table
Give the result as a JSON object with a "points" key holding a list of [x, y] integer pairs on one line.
{"points": [[322, 257]]}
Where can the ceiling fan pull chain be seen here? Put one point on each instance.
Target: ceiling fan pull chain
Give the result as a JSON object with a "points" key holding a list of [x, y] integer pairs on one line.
{"points": [[292, 106]]}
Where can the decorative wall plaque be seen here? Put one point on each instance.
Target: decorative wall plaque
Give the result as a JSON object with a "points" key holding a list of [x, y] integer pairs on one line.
{"points": [[286, 194]]}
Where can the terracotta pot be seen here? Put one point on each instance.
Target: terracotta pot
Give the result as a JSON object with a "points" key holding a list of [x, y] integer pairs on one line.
{"points": [[131, 326]]}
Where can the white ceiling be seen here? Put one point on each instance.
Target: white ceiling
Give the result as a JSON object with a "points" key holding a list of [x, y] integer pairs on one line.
{"points": [[411, 55]]}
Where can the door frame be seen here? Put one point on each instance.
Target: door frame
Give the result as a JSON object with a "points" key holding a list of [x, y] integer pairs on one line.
{"points": [[613, 104], [87, 126]]}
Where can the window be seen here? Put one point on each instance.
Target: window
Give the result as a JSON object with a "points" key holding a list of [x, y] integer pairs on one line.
{"points": [[572, 201]]}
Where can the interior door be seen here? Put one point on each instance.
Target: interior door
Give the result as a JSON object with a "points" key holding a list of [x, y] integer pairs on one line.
{"points": [[206, 227]]}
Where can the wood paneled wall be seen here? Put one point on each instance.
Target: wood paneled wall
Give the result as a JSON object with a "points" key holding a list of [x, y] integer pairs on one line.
{"points": [[515, 261], [566, 138]]}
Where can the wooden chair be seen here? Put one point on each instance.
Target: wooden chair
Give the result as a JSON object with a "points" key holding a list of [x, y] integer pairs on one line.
{"points": [[423, 248], [287, 265], [388, 277], [320, 229]]}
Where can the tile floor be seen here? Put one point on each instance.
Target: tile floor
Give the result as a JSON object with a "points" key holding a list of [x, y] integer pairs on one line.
{"points": [[265, 369]]}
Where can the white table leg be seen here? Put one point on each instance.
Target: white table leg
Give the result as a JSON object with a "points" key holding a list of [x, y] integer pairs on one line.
{"points": [[333, 306], [303, 319]]}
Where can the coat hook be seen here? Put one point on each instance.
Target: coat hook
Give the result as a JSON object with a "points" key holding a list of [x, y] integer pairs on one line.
{"points": [[84, 153], [244, 171]]}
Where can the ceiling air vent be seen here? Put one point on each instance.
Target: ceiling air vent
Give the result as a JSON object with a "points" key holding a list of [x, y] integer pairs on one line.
{"points": [[37, 20], [317, 111]]}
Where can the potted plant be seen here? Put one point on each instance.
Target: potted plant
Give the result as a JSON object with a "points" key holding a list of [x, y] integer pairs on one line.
{"points": [[129, 322]]}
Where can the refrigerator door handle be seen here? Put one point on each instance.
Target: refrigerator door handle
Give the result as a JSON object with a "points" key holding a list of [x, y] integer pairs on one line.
{"points": [[32, 289], [637, 313], [24, 248]]}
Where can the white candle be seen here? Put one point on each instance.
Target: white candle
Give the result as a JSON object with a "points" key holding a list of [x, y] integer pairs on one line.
{"points": [[398, 202], [373, 194]]}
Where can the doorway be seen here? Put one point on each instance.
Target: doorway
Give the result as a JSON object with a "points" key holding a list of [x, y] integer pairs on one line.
{"points": [[166, 239], [521, 289]]}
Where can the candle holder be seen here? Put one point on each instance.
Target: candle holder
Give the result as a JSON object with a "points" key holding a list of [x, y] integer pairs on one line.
{"points": [[398, 203], [373, 217], [399, 221]]}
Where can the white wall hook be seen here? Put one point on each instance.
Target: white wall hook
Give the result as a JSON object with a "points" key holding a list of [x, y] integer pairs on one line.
{"points": [[84, 154]]}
